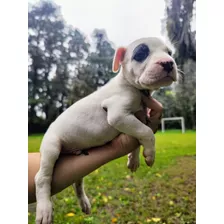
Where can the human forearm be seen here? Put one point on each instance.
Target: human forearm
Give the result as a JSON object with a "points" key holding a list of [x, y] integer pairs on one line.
{"points": [[69, 168]]}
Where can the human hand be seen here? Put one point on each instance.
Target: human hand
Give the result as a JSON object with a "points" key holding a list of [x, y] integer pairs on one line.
{"points": [[153, 113]]}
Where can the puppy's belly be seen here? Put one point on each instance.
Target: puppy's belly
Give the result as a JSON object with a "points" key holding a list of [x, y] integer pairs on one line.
{"points": [[83, 130], [85, 139]]}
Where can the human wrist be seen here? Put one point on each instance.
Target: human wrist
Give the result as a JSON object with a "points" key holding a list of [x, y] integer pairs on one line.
{"points": [[122, 145]]}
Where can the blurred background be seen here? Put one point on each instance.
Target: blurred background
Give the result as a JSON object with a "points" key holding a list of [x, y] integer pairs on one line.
{"points": [[71, 45], [71, 48]]}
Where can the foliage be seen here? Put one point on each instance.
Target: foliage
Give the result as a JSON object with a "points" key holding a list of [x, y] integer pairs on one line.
{"points": [[65, 66], [96, 71], [162, 194], [177, 24], [62, 68]]}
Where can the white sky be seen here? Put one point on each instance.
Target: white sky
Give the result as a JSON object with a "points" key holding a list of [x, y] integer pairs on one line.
{"points": [[123, 20]]}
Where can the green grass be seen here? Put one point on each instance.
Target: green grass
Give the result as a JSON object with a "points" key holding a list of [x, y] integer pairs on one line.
{"points": [[163, 194]]}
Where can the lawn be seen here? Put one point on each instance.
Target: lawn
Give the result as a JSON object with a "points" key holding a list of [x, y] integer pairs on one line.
{"points": [[165, 193]]}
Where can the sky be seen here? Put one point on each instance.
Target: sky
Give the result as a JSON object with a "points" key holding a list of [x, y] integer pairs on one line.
{"points": [[123, 20]]}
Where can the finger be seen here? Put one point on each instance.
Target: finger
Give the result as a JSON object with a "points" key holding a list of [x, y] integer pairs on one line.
{"points": [[141, 115], [152, 103], [153, 114]]}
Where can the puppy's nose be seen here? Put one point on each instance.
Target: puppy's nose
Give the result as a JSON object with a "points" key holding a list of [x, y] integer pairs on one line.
{"points": [[167, 66]]}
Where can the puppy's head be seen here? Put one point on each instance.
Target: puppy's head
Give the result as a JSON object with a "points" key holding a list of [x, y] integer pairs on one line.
{"points": [[146, 63]]}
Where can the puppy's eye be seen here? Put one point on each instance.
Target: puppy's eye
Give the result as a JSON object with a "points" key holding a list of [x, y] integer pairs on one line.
{"points": [[169, 53], [140, 53]]}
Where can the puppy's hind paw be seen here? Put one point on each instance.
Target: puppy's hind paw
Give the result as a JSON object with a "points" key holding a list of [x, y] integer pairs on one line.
{"points": [[149, 157], [133, 164], [85, 205], [44, 213], [149, 160]]}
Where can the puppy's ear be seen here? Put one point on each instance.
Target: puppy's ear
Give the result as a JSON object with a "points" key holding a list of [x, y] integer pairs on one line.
{"points": [[118, 58]]}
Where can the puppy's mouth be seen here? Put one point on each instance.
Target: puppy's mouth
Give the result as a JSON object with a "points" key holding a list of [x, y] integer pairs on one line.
{"points": [[160, 81], [167, 78]]}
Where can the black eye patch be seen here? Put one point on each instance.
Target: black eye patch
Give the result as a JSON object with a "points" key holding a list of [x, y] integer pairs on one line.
{"points": [[140, 53]]}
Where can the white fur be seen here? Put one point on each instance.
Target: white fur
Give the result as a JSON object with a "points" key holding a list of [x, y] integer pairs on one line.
{"points": [[86, 123]]}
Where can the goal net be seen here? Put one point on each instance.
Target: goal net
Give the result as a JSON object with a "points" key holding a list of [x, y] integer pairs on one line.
{"points": [[163, 120]]}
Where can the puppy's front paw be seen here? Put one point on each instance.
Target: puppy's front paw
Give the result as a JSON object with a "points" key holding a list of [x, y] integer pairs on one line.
{"points": [[133, 164], [44, 212], [85, 205]]}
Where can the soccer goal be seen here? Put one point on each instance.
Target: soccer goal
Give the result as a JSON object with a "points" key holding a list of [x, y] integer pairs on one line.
{"points": [[173, 119]]}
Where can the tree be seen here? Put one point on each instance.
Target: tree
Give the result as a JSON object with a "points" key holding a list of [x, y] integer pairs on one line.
{"points": [[62, 69], [177, 25], [96, 71], [179, 15], [54, 50]]}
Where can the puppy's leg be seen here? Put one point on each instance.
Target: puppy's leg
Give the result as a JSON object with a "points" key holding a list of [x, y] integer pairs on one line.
{"points": [[50, 150], [133, 160], [83, 199], [129, 124]]}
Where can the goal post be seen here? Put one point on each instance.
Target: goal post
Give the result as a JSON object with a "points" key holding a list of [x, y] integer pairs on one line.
{"points": [[173, 119]]}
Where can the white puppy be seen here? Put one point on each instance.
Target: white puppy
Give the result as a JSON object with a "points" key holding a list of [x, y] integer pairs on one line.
{"points": [[146, 64]]}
